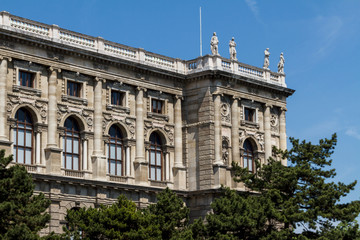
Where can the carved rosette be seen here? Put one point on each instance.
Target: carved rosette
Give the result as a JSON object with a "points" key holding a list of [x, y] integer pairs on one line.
{"points": [[225, 110], [274, 122]]}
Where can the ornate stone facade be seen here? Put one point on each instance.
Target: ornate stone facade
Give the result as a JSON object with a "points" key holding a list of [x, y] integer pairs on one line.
{"points": [[180, 123]]}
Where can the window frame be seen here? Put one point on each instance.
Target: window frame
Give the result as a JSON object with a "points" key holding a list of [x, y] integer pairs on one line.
{"points": [[156, 148], [77, 92], [72, 137], [32, 79], [121, 101], [16, 138], [253, 114], [118, 142], [248, 155], [157, 102]]}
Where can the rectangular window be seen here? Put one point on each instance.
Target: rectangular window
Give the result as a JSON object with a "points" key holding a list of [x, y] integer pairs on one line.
{"points": [[73, 88], [157, 106], [117, 98], [249, 114], [26, 79]]}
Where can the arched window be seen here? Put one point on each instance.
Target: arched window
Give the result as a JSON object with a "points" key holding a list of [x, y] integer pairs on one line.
{"points": [[71, 157], [248, 156], [23, 137], [155, 157], [116, 152]]}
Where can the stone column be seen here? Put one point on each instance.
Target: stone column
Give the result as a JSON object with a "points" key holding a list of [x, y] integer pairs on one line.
{"points": [[98, 157], [3, 96], [282, 129], [217, 130], [127, 158], [141, 166], [235, 130], [52, 152], [98, 117], [178, 133], [140, 149], [267, 130], [52, 110]]}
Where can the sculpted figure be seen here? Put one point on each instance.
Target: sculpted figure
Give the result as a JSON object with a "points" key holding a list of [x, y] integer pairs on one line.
{"points": [[281, 63], [214, 44], [266, 59], [232, 49]]}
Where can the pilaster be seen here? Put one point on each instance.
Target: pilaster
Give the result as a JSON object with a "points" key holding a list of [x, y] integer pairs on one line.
{"points": [[267, 132], [282, 126], [235, 130]]}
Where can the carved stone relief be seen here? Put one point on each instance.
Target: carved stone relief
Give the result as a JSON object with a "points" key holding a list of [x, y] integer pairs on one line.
{"points": [[225, 110], [39, 105], [168, 129], [225, 149], [243, 134], [128, 122], [86, 114]]}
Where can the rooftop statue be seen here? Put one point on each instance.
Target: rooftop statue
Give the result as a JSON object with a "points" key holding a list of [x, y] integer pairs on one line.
{"points": [[266, 59], [281, 63], [214, 44], [232, 49]]}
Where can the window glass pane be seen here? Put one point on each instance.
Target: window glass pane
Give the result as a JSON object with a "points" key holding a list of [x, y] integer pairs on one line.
{"points": [[245, 162], [159, 107], [76, 163], [112, 167], [112, 151], [158, 174], [118, 168], [154, 105], [20, 155], [158, 158], [76, 146], [152, 173], [68, 145], [21, 137], [68, 161], [28, 138], [15, 137], [250, 165], [28, 156], [152, 157], [119, 156]]}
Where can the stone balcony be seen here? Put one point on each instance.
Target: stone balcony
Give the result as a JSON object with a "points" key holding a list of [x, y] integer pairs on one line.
{"points": [[99, 45]]}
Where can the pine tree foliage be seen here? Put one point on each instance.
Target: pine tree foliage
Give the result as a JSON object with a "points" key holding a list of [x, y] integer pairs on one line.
{"points": [[22, 214], [284, 198]]}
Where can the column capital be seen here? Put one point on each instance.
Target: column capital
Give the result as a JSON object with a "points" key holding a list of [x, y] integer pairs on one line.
{"points": [[53, 68], [217, 92], [236, 98], [5, 58], [179, 97], [283, 109], [138, 88], [268, 105], [97, 79]]}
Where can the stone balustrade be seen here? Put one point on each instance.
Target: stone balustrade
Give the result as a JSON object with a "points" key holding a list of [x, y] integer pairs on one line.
{"points": [[97, 44]]}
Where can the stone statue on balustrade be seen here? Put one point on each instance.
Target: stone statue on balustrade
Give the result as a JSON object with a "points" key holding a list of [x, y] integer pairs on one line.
{"points": [[232, 49], [266, 59], [281, 63], [214, 44]]}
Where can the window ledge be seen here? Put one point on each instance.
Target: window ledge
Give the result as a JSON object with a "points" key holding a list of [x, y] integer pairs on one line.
{"points": [[27, 90], [118, 108], [73, 173], [74, 100], [158, 183], [116, 178], [158, 116], [249, 124]]}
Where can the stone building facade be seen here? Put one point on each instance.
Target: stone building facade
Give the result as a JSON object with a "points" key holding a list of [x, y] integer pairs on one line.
{"points": [[92, 119]]}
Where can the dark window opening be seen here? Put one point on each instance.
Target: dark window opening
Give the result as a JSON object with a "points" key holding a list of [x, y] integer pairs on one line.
{"points": [[26, 79], [157, 106], [117, 98], [73, 88], [250, 114]]}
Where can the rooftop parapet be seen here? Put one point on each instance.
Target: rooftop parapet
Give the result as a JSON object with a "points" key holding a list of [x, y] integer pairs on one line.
{"points": [[138, 55]]}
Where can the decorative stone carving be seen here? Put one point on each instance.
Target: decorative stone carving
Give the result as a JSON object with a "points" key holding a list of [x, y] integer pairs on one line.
{"points": [[266, 59], [168, 129], [40, 106], [281, 63], [258, 136], [214, 44], [128, 122], [225, 149], [85, 113], [232, 49], [225, 109]]}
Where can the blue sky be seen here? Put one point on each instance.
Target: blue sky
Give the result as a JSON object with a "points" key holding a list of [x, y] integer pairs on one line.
{"points": [[320, 40]]}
